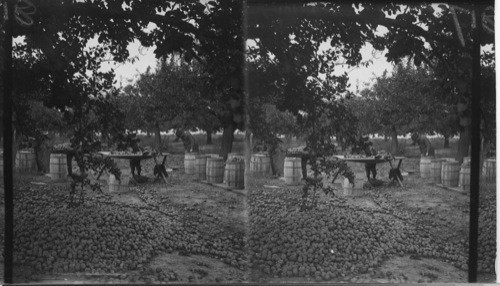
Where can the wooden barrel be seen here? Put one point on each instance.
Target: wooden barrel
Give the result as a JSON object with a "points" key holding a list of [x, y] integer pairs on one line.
{"points": [[200, 167], [207, 149], [26, 161], [489, 170], [235, 174], [189, 161], [425, 166], [435, 170], [116, 186], [292, 170], [260, 164], [215, 170], [464, 176], [450, 174], [58, 167], [347, 187], [229, 157]]}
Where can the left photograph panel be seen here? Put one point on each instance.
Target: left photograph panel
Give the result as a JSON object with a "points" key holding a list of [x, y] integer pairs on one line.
{"points": [[128, 141]]}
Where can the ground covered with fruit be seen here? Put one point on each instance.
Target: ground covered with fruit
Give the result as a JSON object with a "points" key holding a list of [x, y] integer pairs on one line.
{"points": [[190, 232], [418, 233], [182, 231]]}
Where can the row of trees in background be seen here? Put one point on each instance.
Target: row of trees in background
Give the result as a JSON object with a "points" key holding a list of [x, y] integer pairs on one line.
{"points": [[415, 99], [411, 99], [175, 95], [429, 91], [56, 71]]}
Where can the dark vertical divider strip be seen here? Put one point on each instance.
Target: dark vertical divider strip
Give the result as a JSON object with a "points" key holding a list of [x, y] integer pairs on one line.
{"points": [[8, 156], [7, 145], [475, 146]]}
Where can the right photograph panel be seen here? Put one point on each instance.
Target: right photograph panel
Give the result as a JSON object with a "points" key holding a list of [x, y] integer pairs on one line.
{"points": [[360, 120]]}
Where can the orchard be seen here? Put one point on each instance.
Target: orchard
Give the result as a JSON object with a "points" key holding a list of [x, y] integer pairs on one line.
{"points": [[243, 151]]}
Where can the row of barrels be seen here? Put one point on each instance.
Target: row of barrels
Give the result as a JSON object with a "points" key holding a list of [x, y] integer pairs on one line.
{"points": [[213, 168], [25, 162], [208, 167], [448, 172]]}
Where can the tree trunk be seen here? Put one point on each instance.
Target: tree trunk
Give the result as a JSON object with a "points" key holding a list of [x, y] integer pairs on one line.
{"points": [[394, 140], [463, 144], [42, 156], [227, 141], [105, 141], [385, 137], [148, 133], [340, 142], [273, 158], [15, 147], [248, 152], [446, 141], [209, 136], [485, 149], [157, 137], [276, 156]]}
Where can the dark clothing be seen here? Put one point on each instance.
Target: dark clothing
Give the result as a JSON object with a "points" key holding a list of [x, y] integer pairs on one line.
{"points": [[135, 164], [370, 167], [190, 144], [424, 145], [304, 160], [69, 161]]}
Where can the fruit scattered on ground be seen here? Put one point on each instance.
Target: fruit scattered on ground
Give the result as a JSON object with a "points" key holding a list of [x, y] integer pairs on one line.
{"points": [[338, 239], [105, 236]]}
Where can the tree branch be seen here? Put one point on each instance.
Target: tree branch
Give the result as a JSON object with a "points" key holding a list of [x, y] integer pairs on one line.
{"points": [[291, 14], [92, 11]]}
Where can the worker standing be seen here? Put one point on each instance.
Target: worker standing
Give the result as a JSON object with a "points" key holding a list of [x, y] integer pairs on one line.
{"points": [[424, 144], [190, 144], [370, 167]]}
